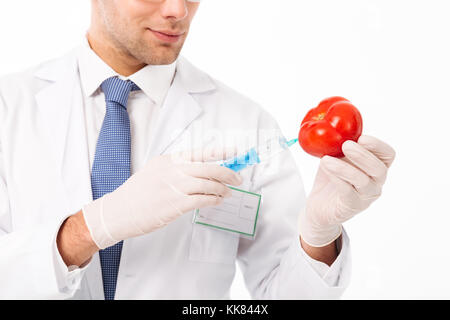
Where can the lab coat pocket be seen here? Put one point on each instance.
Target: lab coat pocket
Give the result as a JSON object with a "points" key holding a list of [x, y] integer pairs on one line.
{"points": [[213, 245]]}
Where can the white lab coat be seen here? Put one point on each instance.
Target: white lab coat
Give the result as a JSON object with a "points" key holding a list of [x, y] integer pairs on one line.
{"points": [[44, 177]]}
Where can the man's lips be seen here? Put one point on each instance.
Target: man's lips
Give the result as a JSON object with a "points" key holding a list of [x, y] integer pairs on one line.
{"points": [[166, 35], [169, 33]]}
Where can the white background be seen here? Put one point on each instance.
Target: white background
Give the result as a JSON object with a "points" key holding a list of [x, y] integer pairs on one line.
{"points": [[391, 58]]}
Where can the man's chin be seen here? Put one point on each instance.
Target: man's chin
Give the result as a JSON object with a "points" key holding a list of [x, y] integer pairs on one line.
{"points": [[163, 58]]}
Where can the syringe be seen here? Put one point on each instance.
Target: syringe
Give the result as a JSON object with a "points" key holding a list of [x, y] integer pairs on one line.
{"points": [[260, 153]]}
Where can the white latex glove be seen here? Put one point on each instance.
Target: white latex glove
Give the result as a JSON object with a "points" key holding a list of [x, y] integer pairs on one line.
{"points": [[167, 187], [343, 188]]}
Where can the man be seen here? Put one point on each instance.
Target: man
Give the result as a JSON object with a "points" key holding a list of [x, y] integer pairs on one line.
{"points": [[94, 204]]}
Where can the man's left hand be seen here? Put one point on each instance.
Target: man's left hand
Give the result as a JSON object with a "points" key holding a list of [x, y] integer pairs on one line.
{"points": [[343, 188]]}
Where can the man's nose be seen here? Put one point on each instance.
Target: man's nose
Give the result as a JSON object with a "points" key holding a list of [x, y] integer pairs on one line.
{"points": [[175, 9]]}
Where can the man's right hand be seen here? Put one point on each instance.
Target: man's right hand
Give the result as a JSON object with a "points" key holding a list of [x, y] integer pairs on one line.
{"points": [[167, 187]]}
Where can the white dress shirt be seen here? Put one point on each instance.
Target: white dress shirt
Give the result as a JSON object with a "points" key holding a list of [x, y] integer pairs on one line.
{"points": [[143, 108]]}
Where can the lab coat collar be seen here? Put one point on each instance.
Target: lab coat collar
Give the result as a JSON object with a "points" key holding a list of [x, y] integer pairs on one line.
{"points": [[58, 99], [192, 79], [182, 108]]}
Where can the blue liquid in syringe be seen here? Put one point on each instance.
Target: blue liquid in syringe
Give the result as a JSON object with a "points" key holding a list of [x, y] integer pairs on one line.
{"points": [[248, 159]]}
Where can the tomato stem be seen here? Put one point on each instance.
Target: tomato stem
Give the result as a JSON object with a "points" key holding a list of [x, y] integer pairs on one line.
{"points": [[320, 116]]}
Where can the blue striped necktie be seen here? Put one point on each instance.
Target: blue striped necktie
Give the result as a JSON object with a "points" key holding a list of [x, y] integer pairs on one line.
{"points": [[111, 166]]}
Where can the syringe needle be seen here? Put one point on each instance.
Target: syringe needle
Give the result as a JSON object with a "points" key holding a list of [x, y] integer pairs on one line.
{"points": [[291, 142]]}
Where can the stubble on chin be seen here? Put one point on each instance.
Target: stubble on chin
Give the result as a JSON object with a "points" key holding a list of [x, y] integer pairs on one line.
{"points": [[153, 52]]}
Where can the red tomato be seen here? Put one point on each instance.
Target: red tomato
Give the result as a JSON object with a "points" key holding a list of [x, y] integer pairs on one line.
{"points": [[326, 127]]}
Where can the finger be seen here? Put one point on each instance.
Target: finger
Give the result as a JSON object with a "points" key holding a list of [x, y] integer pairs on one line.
{"points": [[213, 172], [365, 160], [204, 186], [198, 201], [351, 201], [377, 186], [362, 183], [342, 185], [382, 150], [345, 188], [204, 154]]}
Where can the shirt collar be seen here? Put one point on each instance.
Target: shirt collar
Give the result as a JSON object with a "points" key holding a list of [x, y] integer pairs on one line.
{"points": [[153, 80]]}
